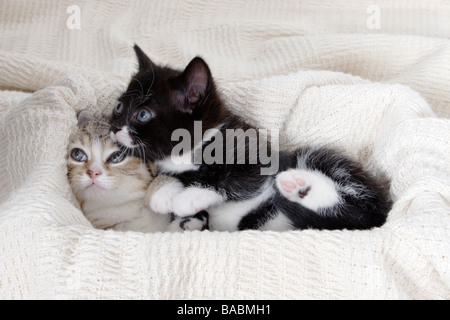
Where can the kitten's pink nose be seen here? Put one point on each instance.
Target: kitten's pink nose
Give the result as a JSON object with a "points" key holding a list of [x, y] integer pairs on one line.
{"points": [[93, 173]]}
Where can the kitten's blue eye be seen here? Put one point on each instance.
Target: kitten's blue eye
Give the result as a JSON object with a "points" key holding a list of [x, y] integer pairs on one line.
{"points": [[118, 109], [117, 157], [144, 116], [79, 155]]}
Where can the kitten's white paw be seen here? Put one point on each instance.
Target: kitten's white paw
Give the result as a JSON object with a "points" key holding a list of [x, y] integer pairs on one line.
{"points": [[175, 226], [193, 224], [162, 200], [311, 189], [193, 200], [198, 222]]}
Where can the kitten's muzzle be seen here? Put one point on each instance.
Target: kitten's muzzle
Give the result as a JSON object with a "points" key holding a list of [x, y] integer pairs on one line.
{"points": [[122, 136]]}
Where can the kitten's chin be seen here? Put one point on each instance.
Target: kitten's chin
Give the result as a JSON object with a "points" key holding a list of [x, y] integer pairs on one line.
{"points": [[96, 188], [93, 191]]}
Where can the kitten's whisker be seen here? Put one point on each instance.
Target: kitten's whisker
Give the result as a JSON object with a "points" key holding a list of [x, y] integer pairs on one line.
{"points": [[142, 88]]}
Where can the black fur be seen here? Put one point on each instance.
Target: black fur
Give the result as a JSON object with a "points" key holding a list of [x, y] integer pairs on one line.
{"points": [[365, 211], [178, 98]]}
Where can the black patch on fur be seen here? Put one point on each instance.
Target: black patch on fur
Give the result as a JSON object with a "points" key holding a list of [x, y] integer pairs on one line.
{"points": [[177, 98]]}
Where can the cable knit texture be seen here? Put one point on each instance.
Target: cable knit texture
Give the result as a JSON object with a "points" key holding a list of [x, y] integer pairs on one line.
{"points": [[324, 73]]}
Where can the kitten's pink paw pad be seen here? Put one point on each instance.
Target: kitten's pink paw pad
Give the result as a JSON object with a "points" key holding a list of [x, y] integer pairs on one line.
{"points": [[312, 189], [292, 185], [300, 182], [288, 186]]}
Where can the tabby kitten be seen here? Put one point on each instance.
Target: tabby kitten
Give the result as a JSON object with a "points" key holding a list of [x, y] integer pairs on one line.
{"points": [[111, 185]]}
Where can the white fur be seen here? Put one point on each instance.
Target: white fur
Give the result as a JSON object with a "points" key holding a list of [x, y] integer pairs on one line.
{"points": [[177, 164], [323, 193], [195, 199], [227, 216], [126, 216], [97, 155], [162, 200], [123, 136], [278, 223]]}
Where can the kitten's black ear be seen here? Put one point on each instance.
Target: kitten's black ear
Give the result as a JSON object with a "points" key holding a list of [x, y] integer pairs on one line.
{"points": [[143, 59], [192, 85], [84, 117]]}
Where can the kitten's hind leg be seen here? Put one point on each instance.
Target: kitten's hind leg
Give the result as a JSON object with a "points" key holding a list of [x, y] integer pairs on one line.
{"points": [[309, 188]]}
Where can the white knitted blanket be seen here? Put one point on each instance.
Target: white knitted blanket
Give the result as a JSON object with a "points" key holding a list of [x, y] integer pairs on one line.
{"points": [[384, 99]]}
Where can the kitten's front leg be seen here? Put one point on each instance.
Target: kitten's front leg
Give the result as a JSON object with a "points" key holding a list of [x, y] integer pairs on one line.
{"points": [[162, 192], [194, 199]]}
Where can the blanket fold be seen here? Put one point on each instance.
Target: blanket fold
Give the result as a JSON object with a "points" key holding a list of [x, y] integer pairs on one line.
{"points": [[381, 97]]}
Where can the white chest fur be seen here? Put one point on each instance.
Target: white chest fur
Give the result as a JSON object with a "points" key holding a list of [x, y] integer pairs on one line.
{"points": [[226, 217]]}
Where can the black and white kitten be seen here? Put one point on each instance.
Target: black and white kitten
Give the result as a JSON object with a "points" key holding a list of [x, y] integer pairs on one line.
{"points": [[311, 189]]}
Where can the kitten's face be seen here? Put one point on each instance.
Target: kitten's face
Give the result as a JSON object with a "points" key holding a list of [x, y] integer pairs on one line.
{"points": [[98, 169], [160, 100]]}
